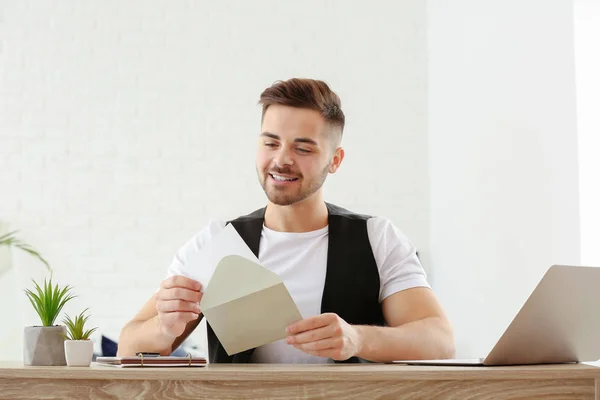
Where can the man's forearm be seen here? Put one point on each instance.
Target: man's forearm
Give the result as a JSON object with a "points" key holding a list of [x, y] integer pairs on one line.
{"points": [[429, 338], [144, 336]]}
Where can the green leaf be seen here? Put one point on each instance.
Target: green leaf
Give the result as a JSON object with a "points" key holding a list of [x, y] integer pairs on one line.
{"points": [[75, 328], [49, 300], [10, 239]]}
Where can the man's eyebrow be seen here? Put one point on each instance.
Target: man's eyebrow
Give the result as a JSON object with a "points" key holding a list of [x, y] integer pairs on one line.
{"points": [[297, 140], [306, 140], [271, 135]]}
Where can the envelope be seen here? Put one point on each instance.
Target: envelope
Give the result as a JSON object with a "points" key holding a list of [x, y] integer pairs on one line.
{"points": [[247, 305]]}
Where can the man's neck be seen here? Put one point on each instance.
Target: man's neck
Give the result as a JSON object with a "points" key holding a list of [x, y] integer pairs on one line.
{"points": [[305, 216]]}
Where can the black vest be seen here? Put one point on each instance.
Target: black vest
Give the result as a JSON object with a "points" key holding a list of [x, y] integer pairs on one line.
{"points": [[351, 281]]}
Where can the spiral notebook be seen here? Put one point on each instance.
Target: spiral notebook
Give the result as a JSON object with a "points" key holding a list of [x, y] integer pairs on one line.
{"points": [[153, 361]]}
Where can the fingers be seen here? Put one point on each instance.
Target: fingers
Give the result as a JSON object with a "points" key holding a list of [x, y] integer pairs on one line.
{"points": [[312, 323], [179, 281], [316, 334], [333, 348], [319, 345], [178, 303], [326, 335], [169, 306], [178, 293]]}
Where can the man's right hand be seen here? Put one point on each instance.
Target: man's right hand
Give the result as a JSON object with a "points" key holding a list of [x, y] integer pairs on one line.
{"points": [[177, 303]]}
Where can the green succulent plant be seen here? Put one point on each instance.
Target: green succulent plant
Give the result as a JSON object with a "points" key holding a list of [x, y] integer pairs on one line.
{"points": [[49, 300], [10, 239], [75, 328]]}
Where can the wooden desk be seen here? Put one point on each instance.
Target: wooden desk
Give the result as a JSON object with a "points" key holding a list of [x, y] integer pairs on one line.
{"points": [[301, 381]]}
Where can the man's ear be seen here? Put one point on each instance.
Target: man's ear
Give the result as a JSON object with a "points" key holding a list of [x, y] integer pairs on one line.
{"points": [[336, 161]]}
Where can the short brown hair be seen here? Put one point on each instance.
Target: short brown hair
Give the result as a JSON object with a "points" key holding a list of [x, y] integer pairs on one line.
{"points": [[305, 93]]}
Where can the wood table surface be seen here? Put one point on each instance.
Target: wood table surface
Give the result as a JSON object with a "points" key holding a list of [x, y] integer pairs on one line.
{"points": [[276, 381]]}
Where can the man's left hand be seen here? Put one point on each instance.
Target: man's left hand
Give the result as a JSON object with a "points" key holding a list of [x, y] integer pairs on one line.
{"points": [[326, 335]]}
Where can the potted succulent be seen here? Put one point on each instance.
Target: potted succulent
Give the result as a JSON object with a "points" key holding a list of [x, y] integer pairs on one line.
{"points": [[43, 345], [79, 349]]}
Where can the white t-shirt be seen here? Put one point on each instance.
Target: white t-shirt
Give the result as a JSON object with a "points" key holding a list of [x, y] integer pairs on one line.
{"points": [[300, 260]]}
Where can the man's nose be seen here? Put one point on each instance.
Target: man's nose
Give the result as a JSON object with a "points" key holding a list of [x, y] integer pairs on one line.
{"points": [[283, 158]]}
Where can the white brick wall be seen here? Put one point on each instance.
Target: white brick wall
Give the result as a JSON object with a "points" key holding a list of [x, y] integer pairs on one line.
{"points": [[503, 153], [125, 126]]}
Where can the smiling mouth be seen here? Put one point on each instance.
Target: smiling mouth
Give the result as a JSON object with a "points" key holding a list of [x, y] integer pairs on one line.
{"points": [[280, 178]]}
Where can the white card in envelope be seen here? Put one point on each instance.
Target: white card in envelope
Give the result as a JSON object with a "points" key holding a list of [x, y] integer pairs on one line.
{"points": [[201, 265]]}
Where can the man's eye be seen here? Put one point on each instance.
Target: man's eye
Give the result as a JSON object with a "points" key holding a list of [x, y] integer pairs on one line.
{"points": [[270, 144], [303, 150]]}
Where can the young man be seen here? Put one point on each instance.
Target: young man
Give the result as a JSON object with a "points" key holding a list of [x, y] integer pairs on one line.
{"points": [[356, 279]]}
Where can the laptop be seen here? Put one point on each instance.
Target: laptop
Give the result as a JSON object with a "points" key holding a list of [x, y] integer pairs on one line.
{"points": [[559, 323]]}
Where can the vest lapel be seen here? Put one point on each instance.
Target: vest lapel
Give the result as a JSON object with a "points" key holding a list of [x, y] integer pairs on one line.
{"points": [[250, 229]]}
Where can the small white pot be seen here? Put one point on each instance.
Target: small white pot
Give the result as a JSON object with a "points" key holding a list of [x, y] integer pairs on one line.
{"points": [[79, 353]]}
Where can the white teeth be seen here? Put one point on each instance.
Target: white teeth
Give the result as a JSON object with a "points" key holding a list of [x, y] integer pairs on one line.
{"points": [[281, 178]]}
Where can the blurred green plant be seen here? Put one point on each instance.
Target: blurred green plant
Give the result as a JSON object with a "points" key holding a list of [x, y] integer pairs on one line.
{"points": [[10, 239]]}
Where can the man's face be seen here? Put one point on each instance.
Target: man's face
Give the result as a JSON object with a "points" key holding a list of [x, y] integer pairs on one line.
{"points": [[295, 154]]}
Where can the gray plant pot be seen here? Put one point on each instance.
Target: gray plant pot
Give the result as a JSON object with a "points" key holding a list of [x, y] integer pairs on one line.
{"points": [[44, 345]]}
